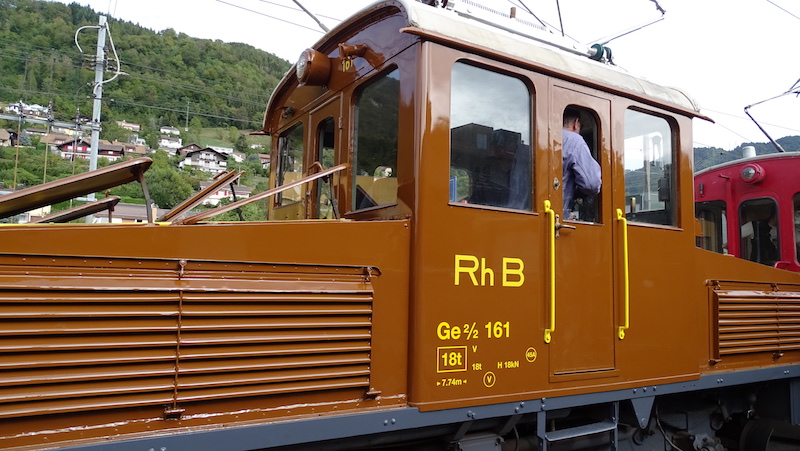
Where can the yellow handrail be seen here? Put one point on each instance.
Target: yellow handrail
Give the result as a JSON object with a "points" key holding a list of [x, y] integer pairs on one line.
{"points": [[624, 222], [551, 216]]}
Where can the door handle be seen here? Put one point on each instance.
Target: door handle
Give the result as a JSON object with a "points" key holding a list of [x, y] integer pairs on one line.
{"points": [[558, 226]]}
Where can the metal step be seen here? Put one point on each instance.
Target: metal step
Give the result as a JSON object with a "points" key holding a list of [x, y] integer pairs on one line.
{"points": [[580, 431]]}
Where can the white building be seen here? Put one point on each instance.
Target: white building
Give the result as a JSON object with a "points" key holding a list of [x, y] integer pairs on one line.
{"points": [[208, 160], [226, 192]]}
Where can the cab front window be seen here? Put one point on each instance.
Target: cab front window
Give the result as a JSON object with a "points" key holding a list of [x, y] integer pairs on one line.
{"points": [[290, 164], [376, 130]]}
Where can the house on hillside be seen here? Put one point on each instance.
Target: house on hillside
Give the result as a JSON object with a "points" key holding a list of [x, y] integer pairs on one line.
{"points": [[53, 140], [82, 149], [74, 130], [40, 132], [124, 213], [130, 126], [208, 160], [170, 143], [166, 130], [226, 192], [5, 138], [132, 150]]}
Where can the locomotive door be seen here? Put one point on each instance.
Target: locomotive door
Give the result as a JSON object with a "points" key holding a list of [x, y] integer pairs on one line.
{"points": [[325, 137], [584, 337]]}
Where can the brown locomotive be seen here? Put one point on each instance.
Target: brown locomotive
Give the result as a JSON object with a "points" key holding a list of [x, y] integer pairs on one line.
{"points": [[417, 283]]}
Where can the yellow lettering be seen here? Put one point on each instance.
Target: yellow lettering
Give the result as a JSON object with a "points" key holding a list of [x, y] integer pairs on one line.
{"points": [[443, 331], [516, 271], [486, 271], [460, 259]]}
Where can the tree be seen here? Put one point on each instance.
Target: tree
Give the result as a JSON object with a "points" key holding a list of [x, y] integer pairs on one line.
{"points": [[240, 145]]}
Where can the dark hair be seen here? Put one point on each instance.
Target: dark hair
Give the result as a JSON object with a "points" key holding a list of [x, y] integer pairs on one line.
{"points": [[571, 115]]}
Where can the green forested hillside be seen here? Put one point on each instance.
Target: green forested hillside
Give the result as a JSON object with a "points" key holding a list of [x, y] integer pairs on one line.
{"points": [[166, 73], [705, 157]]}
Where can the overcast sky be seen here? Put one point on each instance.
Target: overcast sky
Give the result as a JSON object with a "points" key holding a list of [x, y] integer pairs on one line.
{"points": [[724, 54]]}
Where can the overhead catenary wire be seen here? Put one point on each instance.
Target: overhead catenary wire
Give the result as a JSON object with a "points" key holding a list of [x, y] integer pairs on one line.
{"points": [[183, 110], [267, 15], [783, 9]]}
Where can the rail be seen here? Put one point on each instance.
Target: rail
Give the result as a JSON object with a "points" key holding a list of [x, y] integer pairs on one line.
{"points": [[626, 281], [551, 216], [222, 179], [266, 194]]}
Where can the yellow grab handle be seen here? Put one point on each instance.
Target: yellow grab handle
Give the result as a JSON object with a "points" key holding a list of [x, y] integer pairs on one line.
{"points": [[624, 222], [551, 216]]}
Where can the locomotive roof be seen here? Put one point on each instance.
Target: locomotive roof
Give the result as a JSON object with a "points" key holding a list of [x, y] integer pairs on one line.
{"points": [[756, 159], [514, 39]]}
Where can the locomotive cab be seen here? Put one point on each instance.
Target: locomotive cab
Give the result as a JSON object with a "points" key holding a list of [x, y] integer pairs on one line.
{"points": [[464, 140]]}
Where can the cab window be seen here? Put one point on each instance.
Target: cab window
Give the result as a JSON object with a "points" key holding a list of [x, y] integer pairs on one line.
{"points": [[650, 181], [290, 164], [759, 231], [325, 156], [712, 222], [376, 130], [490, 136]]}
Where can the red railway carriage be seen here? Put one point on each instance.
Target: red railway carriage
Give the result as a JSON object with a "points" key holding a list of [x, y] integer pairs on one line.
{"points": [[750, 208], [417, 282]]}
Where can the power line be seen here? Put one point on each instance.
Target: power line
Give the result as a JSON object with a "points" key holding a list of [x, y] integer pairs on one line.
{"points": [[298, 9], [746, 119], [199, 89], [177, 75], [184, 111], [271, 17], [783, 9]]}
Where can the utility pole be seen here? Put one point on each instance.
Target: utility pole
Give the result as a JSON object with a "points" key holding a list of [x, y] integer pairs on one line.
{"points": [[97, 93]]}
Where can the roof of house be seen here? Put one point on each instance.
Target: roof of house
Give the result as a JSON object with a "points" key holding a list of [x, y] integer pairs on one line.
{"points": [[207, 149], [51, 138]]}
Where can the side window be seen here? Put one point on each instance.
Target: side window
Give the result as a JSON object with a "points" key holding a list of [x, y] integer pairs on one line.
{"points": [[325, 156], [490, 136], [713, 233], [290, 151], [376, 129], [759, 226], [650, 181]]}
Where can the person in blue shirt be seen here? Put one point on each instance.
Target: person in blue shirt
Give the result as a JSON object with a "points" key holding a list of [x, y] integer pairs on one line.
{"points": [[580, 171]]}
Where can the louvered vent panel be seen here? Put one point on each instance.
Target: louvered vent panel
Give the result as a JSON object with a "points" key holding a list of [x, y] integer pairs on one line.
{"points": [[63, 351], [254, 344], [756, 318], [173, 337]]}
